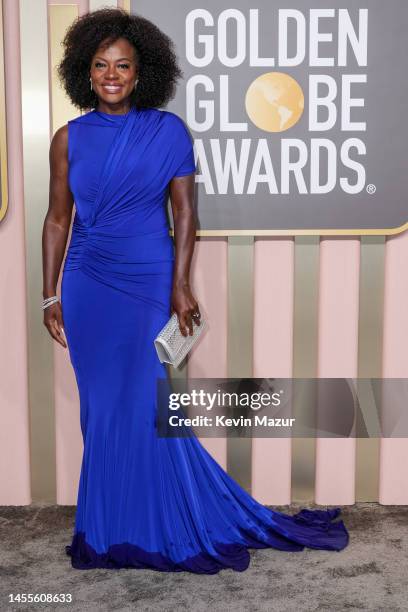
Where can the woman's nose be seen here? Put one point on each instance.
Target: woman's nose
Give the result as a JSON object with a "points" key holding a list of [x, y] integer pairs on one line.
{"points": [[111, 72]]}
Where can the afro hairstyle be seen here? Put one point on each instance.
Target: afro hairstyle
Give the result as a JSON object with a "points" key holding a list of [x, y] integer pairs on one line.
{"points": [[157, 61]]}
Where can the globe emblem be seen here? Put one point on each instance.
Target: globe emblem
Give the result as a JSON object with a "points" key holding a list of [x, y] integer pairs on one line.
{"points": [[274, 102]]}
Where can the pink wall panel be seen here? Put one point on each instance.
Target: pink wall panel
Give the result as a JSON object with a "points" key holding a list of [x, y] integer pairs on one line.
{"points": [[273, 358], [337, 357], [14, 414], [393, 485], [209, 358]]}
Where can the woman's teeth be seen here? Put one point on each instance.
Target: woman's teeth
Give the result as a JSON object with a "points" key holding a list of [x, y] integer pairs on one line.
{"points": [[112, 88]]}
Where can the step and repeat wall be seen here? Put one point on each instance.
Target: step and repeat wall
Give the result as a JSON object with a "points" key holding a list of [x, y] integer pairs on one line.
{"points": [[300, 261]]}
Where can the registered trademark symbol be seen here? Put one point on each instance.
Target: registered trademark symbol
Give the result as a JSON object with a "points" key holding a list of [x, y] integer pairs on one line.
{"points": [[371, 188]]}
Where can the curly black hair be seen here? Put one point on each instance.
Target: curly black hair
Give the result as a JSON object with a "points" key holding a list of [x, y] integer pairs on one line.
{"points": [[158, 68]]}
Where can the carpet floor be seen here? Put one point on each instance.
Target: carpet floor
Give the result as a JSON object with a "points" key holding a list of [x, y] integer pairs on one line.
{"points": [[370, 574]]}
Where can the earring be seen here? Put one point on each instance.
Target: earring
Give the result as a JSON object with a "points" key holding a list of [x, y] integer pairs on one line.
{"points": [[136, 83], [90, 80]]}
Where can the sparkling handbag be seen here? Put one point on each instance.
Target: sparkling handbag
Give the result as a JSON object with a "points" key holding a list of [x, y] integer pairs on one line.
{"points": [[171, 345]]}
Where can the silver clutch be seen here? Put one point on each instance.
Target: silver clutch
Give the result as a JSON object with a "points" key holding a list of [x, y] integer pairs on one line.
{"points": [[171, 345]]}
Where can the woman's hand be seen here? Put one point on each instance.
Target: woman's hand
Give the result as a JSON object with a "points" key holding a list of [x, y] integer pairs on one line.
{"points": [[185, 306], [54, 323]]}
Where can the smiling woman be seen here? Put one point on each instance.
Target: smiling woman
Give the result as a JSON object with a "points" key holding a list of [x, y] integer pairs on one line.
{"points": [[144, 501]]}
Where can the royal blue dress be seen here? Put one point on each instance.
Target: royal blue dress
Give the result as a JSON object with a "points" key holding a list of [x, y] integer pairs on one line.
{"points": [[146, 501]]}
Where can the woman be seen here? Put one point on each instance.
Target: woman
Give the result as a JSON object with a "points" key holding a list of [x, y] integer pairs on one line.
{"points": [[143, 500]]}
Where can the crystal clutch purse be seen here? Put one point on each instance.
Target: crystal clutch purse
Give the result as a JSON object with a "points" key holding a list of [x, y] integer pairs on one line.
{"points": [[171, 345]]}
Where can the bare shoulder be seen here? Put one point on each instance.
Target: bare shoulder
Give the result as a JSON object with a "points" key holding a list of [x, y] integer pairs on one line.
{"points": [[59, 143], [60, 138]]}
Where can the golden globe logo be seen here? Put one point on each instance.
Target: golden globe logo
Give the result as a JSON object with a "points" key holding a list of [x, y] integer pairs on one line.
{"points": [[274, 101]]}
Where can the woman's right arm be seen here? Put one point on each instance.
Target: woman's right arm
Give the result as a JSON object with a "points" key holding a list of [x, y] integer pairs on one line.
{"points": [[55, 230]]}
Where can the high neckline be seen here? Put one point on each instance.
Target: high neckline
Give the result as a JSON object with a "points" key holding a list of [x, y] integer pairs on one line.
{"points": [[112, 115]]}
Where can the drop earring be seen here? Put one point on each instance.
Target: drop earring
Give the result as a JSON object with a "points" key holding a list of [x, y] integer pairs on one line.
{"points": [[136, 84], [90, 80]]}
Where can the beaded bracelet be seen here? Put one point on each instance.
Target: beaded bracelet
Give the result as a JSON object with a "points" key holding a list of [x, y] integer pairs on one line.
{"points": [[49, 301]]}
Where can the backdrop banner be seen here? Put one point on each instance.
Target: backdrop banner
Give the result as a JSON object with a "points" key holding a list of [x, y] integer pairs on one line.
{"points": [[296, 111]]}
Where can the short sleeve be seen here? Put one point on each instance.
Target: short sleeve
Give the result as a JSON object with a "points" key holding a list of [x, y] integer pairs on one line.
{"points": [[183, 160]]}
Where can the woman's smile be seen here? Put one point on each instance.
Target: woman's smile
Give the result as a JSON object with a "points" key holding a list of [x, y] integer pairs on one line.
{"points": [[112, 89]]}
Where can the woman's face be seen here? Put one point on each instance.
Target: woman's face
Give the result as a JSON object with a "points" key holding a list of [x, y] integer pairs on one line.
{"points": [[114, 70]]}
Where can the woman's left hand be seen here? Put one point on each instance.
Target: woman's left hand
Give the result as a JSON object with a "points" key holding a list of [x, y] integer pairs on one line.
{"points": [[184, 304]]}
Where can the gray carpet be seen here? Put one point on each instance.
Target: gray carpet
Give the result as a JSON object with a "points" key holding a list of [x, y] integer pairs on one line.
{"points": [[370, 574]]}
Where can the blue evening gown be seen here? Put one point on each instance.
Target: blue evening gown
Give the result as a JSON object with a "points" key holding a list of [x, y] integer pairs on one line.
{"points": [[145, 501]]}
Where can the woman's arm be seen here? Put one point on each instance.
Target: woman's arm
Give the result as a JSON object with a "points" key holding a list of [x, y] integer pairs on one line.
{"points": [[55, 230], [182, 200]]}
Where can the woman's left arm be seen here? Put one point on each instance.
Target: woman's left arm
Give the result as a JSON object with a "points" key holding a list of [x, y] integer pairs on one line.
{"points": [[182, 203]]}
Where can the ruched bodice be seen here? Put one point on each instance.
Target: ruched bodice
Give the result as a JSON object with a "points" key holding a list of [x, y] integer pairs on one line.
{"points": [[120, 167]]}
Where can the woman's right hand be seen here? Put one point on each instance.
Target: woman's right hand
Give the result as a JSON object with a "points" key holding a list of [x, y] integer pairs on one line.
{"points": [[53, 321]]}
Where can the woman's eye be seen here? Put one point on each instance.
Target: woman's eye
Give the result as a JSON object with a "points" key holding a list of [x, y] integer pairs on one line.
{"points": [[101, 64]]}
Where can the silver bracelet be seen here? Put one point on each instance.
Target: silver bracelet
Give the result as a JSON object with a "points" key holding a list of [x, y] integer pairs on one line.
{"points": [[49, 301]]}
